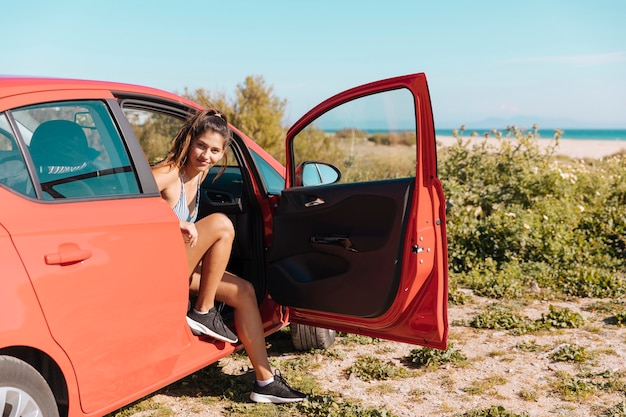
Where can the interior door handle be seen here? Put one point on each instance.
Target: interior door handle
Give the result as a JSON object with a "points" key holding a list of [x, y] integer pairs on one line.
{"points": [[68, 253], [342, 241], [317, 202]]}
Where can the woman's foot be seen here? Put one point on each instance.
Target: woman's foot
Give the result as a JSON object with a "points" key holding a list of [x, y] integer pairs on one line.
{"points": [[276, 392], [210, 324]]}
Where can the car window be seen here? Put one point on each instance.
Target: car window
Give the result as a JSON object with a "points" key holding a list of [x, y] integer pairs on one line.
{"points": [[274, 182], [13, 172], [156, 130], [369, 138], [76, 150]]}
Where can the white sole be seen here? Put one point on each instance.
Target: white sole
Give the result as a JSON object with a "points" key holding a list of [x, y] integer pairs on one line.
{"points": [[261, 398], [198, 329]]}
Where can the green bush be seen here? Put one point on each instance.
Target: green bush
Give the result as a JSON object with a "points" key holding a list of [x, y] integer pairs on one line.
{"points": [[561, 318], [519, 215]]}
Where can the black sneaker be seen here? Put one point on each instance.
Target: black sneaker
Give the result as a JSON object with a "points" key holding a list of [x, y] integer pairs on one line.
{"points": [[277, 392], [210, 324]]}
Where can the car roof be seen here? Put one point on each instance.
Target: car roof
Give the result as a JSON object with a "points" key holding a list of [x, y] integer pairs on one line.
{"points": [[15, 84]]}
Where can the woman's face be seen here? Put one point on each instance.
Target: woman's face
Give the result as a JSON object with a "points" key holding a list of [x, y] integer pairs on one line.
{"points": [[205, 151]]}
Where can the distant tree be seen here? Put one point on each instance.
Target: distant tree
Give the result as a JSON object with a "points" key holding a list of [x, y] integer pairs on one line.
{"points": [[255, 110]]}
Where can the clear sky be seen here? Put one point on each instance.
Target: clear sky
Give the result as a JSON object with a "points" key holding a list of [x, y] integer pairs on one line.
{"points": [[559, 63]]}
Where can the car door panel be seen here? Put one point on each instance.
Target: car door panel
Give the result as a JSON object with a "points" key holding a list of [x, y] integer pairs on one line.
{"points": [[393, 284], [345, 260]]}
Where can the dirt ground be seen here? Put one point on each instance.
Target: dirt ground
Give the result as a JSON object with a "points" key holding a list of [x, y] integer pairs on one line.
{"points": [[497, 371]]}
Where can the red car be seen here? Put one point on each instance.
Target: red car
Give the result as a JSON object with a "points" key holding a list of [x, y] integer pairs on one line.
{"points": [[94, 275]]}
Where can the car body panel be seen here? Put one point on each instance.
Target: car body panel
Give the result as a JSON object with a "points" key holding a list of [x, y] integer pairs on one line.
{"points": [[100, 284]]}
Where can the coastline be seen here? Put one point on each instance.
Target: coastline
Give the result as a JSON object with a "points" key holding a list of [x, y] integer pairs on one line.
{"points": [[573, 148]]}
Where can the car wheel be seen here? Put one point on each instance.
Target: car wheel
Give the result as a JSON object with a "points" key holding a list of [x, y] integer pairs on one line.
{"points": [[309, 337], [23, 391]]}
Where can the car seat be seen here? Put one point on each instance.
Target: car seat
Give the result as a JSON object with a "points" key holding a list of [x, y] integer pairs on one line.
{"points": [[60, 152]]}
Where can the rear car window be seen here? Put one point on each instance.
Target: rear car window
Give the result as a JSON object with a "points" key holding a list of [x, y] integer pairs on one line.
{"points": [[13, 172], [76, 150]]}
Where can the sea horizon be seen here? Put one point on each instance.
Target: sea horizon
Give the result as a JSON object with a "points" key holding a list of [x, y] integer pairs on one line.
{"points": [[574, 134]]}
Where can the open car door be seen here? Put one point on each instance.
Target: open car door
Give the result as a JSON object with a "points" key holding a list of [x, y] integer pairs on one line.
{"points": [[365, 251]]}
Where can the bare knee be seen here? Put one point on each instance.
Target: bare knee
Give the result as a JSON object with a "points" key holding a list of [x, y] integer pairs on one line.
{"points": [[247, 292], [237, 293], [217, 224]]}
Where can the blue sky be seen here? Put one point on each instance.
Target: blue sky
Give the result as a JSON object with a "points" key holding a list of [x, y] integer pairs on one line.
{"points": [[559, 63]]}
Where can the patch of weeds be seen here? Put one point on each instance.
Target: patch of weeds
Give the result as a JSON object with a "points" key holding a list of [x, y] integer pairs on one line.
{"points": [[496, 353], [494, 411], [603, 307], [211, 382], [560, 318], [368, 368], [249, 409], [330, 353], [147, 406], [417, 395], [381, 389], [573, 388], [328, 406], [484, 385], [530, 346], [620, 317], [350, 338], [301, 363], [618, 410], [569, 353], [429, 357], [456, 297], [606, 380], [529, 395], [501, 318]]}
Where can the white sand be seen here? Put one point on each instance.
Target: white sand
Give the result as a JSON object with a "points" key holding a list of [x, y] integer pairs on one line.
{"points": [[574, 148]]}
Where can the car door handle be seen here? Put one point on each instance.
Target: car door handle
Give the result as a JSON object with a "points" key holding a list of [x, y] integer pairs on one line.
{"points": [[317, 202], [68, 253], [342, 241]]}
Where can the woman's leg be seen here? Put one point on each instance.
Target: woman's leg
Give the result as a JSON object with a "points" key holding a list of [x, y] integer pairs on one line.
{"points": [[239, 294], [215, 241]]}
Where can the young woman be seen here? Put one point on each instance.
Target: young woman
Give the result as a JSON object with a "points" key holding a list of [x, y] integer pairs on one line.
{"points": [[199, 145]]}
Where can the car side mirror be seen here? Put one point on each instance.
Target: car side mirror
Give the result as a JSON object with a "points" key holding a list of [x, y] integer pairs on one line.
{"points": [[316, 173]]}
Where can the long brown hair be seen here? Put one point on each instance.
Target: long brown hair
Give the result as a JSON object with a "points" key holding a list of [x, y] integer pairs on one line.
{"points": [[196, 125]]}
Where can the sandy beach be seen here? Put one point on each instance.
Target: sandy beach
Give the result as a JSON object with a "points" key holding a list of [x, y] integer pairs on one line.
{"points": [[574, 148]]}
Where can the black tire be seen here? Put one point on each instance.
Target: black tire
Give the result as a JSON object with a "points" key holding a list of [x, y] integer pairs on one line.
{"points": [[21, 384], [309, 337]]}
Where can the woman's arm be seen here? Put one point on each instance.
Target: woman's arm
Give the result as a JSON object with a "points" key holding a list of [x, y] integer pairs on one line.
{"points": [[168, 183]]}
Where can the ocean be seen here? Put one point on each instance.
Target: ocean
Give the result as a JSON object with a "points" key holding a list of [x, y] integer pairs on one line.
{"points": [[589, 134]]}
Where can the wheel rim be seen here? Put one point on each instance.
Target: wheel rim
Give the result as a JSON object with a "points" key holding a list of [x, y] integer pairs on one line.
{"points": [[15, 402]]}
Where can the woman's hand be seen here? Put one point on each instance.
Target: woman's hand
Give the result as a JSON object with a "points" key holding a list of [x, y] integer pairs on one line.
{"points": [[190, 234]]}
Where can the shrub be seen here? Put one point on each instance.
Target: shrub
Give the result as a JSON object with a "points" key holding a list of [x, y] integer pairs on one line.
{"points": [[517, 215], [562, 318]]}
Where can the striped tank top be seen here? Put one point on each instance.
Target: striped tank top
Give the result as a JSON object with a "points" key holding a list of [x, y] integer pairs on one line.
{"points": [[181, 209]]}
